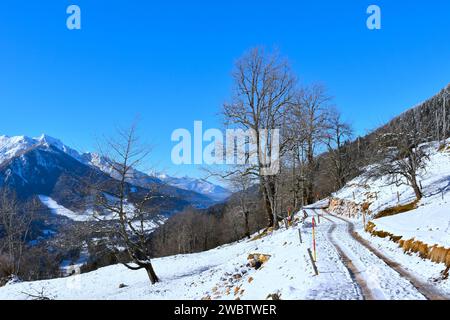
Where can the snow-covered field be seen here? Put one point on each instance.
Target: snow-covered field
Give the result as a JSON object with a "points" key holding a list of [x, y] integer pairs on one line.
{"points": [[221, 273]]}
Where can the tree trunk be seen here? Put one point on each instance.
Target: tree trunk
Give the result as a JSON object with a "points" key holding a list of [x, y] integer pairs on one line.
{"points": [[151, 273], [271, 187], [417, 190], [247, 228], [267, 205]]}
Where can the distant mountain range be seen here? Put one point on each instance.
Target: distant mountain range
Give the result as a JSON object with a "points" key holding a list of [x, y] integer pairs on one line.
{"points": [[213, 191], [46, 166]]}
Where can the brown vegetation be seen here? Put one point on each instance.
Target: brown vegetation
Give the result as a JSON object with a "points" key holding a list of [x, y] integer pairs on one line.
{"points": [[196, 230], [397, 209], [435, 253]]}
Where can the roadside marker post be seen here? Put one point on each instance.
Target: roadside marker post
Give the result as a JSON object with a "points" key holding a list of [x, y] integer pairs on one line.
{"points": [[314, 238], [364, 219], [316, 271]]}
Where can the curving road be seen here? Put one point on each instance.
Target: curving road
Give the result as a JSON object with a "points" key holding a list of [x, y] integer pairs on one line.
{"points": [[376, 276]]}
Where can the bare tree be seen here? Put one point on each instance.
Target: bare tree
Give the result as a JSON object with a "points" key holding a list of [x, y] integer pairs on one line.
{"points": [[241, 185], [308, 118], [263, 86], [123, 154], [15, 222], [402, 155], [338, 134]]}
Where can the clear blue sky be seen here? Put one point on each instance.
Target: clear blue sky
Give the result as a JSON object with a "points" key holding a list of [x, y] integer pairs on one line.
{"points": [[170, 61]]}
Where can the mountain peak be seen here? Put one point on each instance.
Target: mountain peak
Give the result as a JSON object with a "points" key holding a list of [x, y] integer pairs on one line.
{"points": [[46, 139]]}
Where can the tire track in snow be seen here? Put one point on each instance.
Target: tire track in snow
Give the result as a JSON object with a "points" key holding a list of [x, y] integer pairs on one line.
{"points": [[427, 290], [334, 282], [353, 271]]}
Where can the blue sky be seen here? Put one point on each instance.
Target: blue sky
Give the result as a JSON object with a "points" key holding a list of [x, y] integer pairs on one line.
{"points": [[170, 62]]}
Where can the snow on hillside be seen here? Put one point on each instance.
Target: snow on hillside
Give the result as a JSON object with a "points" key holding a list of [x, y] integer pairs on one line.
{"points": [[225, 273], [214, 274], [430, 222], [12, 146], [149, 225], [62, 211]]}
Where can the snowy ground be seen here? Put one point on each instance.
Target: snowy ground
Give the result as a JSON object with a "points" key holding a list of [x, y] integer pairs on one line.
{"points": [[430, 222], [222, 273], [425, 270], [288, 272]]}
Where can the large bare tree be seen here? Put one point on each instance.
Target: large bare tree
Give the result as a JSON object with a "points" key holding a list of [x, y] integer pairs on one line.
{"points": [[308, 121], [263, 88]]}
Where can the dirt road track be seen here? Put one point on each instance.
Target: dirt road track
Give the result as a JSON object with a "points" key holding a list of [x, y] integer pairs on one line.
{"points": [[353, 271], [426, 289]]}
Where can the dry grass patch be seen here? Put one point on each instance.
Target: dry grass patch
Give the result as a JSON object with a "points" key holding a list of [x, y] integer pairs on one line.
{"points": [[263, 234], [435, 253], [396, 210]]}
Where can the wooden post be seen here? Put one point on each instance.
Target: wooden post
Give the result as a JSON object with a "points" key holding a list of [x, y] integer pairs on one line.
{"points": [[398, 197], [314, 238], [313, 262], [300, 235], [364, 220]]}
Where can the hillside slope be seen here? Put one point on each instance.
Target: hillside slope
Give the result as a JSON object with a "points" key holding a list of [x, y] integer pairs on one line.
{"points": [[428, 221], [221, 273]]}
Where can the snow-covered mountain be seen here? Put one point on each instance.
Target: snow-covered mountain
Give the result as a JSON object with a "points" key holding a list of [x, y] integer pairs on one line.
{"points": [[201, 186], [199, 192], [11, 147]]}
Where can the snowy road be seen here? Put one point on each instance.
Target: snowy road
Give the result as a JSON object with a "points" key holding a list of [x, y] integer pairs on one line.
{"points": [[365, 292], [376, 276]]}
